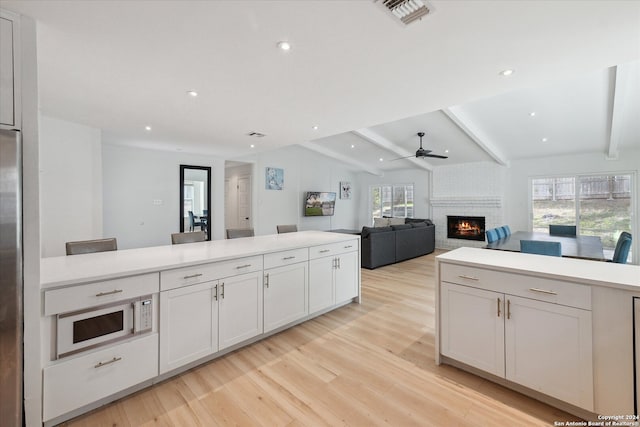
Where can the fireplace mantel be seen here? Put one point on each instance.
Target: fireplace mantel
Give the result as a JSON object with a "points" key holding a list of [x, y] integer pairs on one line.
{"points": [[476, 201]]}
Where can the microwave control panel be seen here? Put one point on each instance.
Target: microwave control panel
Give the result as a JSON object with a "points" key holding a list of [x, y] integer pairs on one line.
{"points": [[145, 322]]}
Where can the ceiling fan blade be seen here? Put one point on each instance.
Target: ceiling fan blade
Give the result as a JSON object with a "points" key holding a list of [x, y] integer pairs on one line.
{"points": [[437, 156], [400, 158]]}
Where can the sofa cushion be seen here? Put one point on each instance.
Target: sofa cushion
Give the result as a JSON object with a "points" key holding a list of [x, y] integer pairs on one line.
{"points": [[418, 224], [366, 231], [401, 227], [380, 222], [396, 221]]}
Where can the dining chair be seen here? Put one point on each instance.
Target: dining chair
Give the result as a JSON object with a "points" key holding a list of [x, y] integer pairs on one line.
{"points": [[492, 235], [286, 228], [562, 230], [90, 246], [194, 236], [540, 247], [193, 223], [234, 233], [501, 233], [507, 230], [623, 246]]}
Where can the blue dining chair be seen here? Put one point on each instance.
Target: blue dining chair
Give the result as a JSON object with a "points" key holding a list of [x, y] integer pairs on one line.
{"points": [[507, 230], [621, 253], [492, 235], [540, 247], [562, 230], [501, 233]]}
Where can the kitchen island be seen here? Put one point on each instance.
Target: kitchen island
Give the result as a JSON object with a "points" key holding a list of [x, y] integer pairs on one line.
{"points": [[116, 322], [557, 329]]}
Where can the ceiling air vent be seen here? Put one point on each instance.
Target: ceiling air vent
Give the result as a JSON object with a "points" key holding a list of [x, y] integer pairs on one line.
{"points": [[256, 134], [406, 11]]}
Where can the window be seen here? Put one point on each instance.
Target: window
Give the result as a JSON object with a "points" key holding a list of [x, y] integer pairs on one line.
{"points": [[391, 200], [599, 205]]}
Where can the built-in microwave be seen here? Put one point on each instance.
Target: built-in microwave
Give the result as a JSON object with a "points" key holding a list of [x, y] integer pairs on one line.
{"points": [[102, 325]]}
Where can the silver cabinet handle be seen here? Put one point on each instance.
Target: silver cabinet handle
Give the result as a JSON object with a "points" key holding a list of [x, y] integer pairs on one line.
{"points": [[463, 276], [192, 276], [508, 309], [339, 265], [543, 291], [215, 295], [498, 306], [115, 291], [243, 266], [349, 246], [325, 251], [108, 362], [288, 258], [266, 280], [222, 291]]}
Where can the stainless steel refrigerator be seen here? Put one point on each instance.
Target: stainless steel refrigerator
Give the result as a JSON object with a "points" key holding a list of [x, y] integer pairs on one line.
{"points": [[11, 347]]}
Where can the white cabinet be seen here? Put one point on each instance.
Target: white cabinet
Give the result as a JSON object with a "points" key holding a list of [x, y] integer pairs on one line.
{"points": [[71, 384], [285, 295], [188, 324], [542, 345], [240, 308], [9, 70], [333, 274]]}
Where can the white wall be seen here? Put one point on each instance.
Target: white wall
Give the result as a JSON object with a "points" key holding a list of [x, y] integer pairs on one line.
{"points": [[70, 184], [418, 177], [304, 170], [134, 178]]}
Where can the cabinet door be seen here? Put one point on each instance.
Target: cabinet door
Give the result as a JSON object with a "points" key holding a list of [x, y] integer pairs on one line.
{"points": [[188, 324], [472, 327], [240, 308], [346, 277], [285, 295], [548, 349], [321, 289]]}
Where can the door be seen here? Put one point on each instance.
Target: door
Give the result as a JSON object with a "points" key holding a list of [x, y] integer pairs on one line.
{"points": [[244, 201], [548, 349], [240, 308], [285, 295], [230, 205], [473, 327], [188, 324], [321, 289], [346, 277]]}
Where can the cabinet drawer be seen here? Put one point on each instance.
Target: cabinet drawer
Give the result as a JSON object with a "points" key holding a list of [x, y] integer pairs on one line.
{"points": [[77, 382], [333, 249], [278, 259], [83, 296], [186, 276], [538, 288]]}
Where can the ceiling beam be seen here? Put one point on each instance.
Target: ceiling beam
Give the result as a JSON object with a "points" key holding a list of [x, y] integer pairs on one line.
{"points": [[340, 157], [383, 142], [465, 124], [620, 88]]}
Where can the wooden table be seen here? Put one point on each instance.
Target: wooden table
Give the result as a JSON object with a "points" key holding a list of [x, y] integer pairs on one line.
{"points": [[585, 247]]}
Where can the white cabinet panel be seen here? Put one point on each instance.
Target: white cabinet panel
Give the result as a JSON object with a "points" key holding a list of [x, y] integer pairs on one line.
{"points": [[473, 327], [240, 309], [285, 295], [346, 277], [548, 349], [188, 324], [70, 384], [321, 289]]}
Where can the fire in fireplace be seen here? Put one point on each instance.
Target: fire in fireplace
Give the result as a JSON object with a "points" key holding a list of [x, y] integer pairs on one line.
{"points": [[465, 227]]}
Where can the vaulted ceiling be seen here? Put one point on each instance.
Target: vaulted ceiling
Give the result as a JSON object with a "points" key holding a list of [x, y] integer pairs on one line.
{"points": [[354, 72]]}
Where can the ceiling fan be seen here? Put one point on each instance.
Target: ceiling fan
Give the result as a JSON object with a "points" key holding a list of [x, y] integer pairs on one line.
{"points": [[421, 152]]}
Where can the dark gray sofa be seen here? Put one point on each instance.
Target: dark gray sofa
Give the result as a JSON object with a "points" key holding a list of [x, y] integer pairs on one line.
{"points": [[387, 245]]}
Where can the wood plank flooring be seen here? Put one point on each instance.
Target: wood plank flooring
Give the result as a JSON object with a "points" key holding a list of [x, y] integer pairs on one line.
{"points": [[369, 364]]}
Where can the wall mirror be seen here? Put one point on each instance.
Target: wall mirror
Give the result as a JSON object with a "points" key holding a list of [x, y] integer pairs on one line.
{"points": [[195, 199]]}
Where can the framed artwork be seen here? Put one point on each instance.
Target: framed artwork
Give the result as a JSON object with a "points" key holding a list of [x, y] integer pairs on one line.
{"points": [[345, 190], [274, 179]]}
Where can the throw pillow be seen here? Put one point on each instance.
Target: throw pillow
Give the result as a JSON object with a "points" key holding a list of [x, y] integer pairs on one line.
{"points": [[396, 221], [380, 222], [418, 224]]}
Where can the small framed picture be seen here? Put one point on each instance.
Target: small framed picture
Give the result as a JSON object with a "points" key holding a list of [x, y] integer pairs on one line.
{"points": [[345, 190], [274, 179]]}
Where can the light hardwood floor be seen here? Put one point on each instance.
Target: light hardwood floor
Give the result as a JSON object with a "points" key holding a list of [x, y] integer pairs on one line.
{"points": [[361, 365]]}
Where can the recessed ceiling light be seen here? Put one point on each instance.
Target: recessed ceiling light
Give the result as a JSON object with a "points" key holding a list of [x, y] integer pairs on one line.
{"points": [[506, 72], [147, 128], [544, 139], [446, 151], [532, 114], [252, 146], [315, 127], [353, 146], [192, 93], [284, 45], [381, 159]]}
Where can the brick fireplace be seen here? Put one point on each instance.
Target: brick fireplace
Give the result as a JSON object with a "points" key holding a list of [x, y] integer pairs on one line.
{"points": [[466, 227]]}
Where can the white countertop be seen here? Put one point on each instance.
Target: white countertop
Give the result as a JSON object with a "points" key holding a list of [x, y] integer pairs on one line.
{"points": [[623, 276], [69, 270]]}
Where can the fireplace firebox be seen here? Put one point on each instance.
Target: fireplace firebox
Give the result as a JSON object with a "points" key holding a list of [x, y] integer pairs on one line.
{"points": [[465, 227]]}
